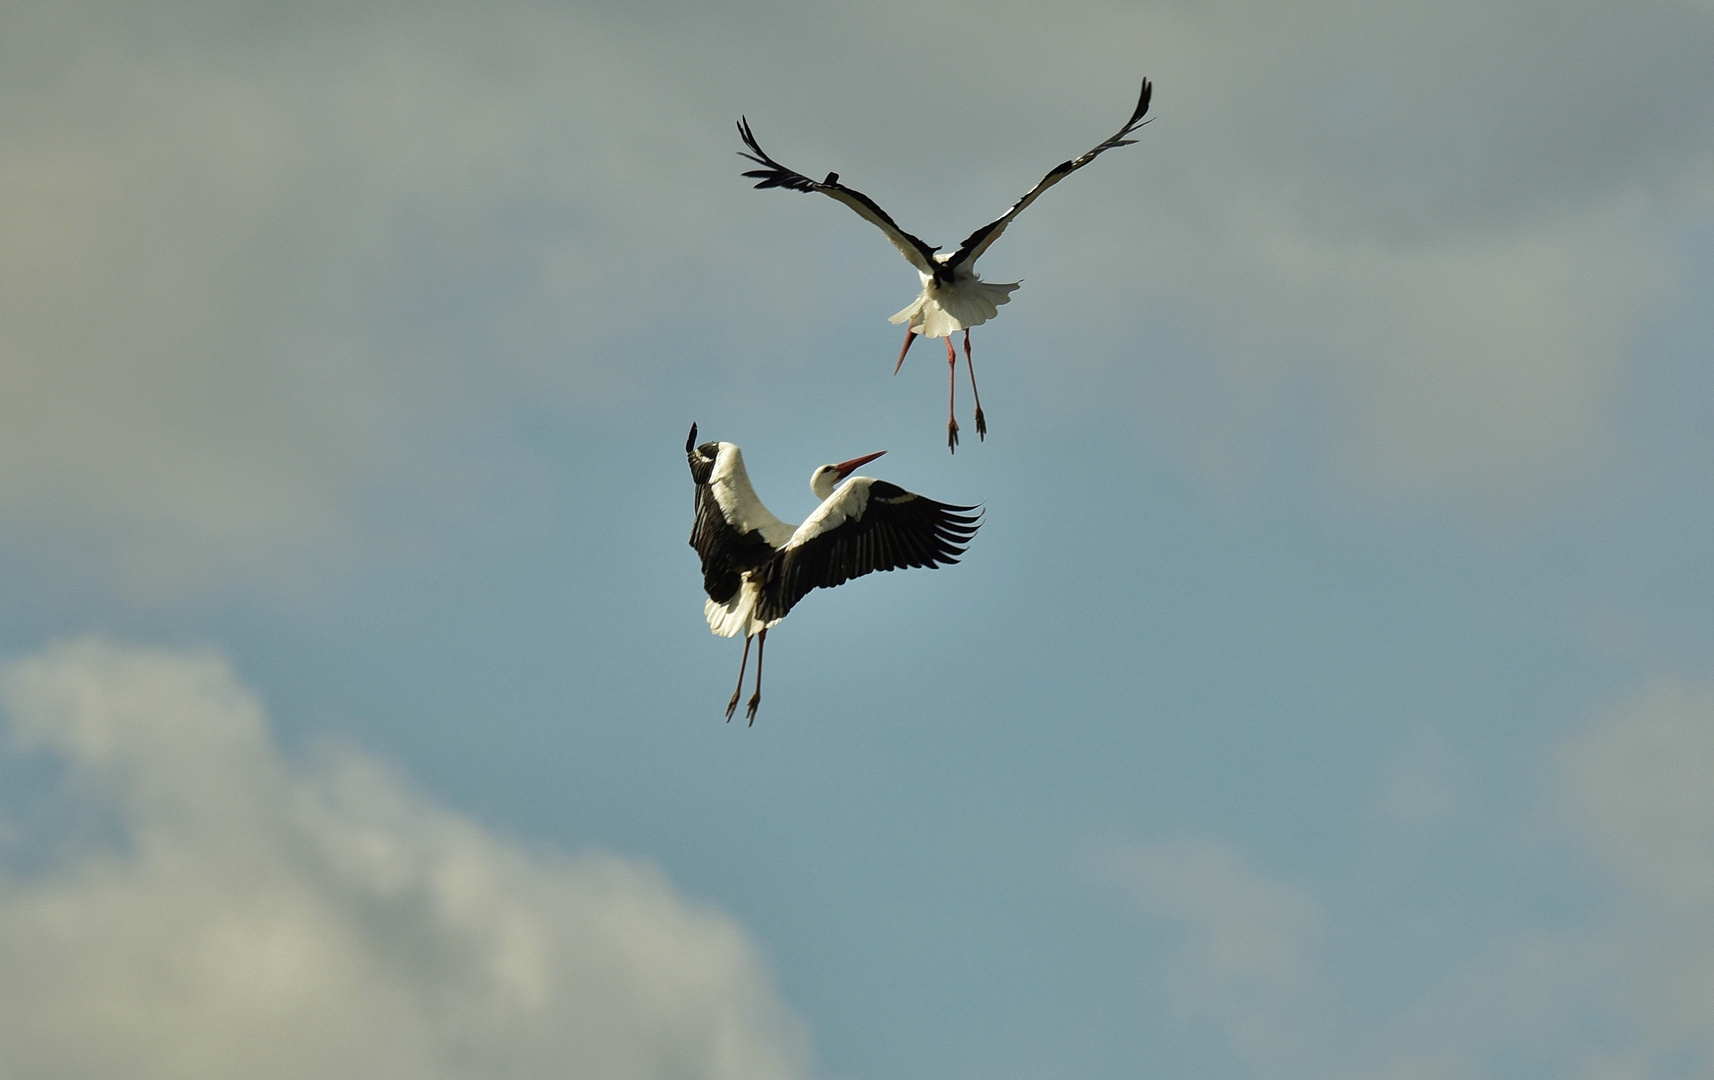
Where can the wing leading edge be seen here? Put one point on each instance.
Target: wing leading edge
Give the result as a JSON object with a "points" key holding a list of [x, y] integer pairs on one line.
{"points": [[773, 174], [866, 526], [978, 242]]}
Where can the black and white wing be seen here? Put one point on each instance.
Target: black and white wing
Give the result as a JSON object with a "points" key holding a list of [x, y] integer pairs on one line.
{"points": [[733, 531], [773, 174], [977, 242], [865, 526]]}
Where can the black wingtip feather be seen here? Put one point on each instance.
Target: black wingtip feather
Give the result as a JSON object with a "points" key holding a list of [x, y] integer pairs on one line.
{"points": [[1136, 121], [900, 531], [772, 173]]}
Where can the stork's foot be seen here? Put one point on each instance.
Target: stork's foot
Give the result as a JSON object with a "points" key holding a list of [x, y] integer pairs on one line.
{"points": [[750, 712], [981, 425], [952, 435], [732, 706]]}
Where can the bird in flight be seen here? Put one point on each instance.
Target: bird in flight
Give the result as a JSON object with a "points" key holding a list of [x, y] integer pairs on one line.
{"points": [[953, 298], [755, 567]]}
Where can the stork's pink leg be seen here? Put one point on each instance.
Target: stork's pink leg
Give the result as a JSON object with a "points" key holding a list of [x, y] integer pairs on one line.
{"points": [[981, 424], [732, 706], [910, 336], [951, 396], [756, 698]]}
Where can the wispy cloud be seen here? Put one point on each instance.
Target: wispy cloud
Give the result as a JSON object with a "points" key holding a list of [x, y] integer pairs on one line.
{"points": [[1248, 957], [1622, 989], [253, 916]]}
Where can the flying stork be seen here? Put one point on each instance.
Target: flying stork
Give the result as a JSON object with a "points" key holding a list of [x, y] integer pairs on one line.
{"points": [[953, 298], [755, 566]]}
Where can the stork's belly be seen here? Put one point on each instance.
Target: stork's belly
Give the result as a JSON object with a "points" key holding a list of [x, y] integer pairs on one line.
{"points": [[944, 310]]}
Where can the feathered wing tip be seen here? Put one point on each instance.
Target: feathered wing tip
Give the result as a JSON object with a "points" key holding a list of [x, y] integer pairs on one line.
{"points": [[772, 173], [1136, 121], [957, 528], [1142, 107]]}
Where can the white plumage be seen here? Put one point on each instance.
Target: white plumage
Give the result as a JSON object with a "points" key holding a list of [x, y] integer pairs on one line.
{"points": [[755, 567], [941, 311], [953, 297]]}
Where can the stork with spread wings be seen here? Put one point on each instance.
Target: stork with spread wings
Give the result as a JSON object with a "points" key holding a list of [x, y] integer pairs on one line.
{"points": [[953, 298]]}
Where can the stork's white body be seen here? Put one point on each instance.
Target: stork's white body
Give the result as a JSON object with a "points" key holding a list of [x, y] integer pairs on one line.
{"points": [[730, 487], [755, 567], [846, 503]]}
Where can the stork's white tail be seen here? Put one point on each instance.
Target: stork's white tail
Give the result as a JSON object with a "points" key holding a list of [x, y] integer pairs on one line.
{"points": [[942, 312], [737, 615]]}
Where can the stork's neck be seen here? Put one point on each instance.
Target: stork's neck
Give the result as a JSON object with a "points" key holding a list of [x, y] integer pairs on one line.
{"points": [[823, 482]]}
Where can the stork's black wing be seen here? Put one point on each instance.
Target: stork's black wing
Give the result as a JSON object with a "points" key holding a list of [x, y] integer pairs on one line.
{"points": [[895, 528], [773, 174], [726, 550], [977, 242]]}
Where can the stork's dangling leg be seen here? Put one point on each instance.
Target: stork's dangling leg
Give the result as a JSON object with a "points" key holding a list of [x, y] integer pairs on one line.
{"points": [[756, 698], [981, 424], [910, 336], [732, 706], [951, 396]]}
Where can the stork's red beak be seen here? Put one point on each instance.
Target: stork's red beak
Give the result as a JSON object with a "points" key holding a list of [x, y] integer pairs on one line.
{"points": [[845, 468]]}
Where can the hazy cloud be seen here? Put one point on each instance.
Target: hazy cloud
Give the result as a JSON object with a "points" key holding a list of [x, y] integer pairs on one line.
{"points": [[1247, 958], [1623, 989], [258, 261], [251, 916], [1640, 787], [1427, 784], [1450, 220], [1626, 991]]}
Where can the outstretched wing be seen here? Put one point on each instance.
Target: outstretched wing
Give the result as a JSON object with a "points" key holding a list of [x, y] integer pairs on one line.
{"points": [[773, 174], [977, 242], [865, 526], [728, 534]]}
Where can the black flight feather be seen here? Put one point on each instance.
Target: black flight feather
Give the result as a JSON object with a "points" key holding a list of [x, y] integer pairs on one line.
{"points": [[898, 529]]}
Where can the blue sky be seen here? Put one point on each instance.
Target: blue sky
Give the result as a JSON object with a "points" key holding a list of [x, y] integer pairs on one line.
{"points": [[1327, 694]]}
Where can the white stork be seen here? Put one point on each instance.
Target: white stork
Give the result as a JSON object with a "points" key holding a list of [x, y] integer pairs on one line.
{"points": [[953, 298], [755, 566]]}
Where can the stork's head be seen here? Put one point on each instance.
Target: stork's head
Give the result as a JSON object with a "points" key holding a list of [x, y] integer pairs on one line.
{"points": [[826, 478]]}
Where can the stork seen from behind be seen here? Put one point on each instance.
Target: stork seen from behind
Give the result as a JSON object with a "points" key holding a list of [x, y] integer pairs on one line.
{"points": [[953, 298]]}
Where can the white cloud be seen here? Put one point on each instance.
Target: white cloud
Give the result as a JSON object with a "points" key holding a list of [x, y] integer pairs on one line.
{"points": [[250, 916]]}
